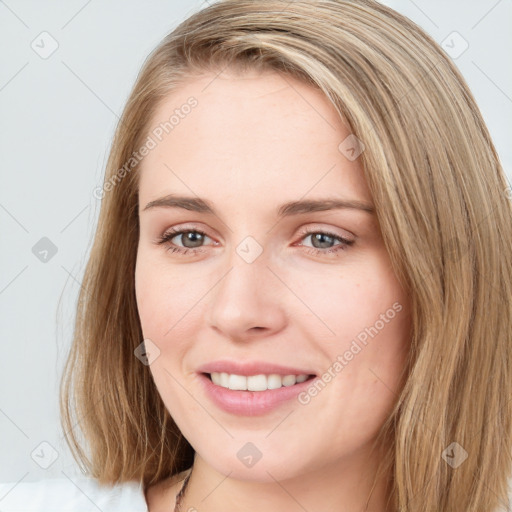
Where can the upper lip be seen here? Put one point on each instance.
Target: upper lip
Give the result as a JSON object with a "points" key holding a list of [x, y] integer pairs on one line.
{"points": [[248, 368]]}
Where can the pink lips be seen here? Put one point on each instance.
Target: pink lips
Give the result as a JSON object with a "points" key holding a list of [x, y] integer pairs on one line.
{"points": [[251, 368], [251, 403]]}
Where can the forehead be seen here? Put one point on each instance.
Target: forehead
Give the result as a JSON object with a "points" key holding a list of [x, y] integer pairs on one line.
{"points": [[256, 137]]}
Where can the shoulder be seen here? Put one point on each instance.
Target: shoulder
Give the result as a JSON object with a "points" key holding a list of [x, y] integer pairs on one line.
{"points": [[75, 494]]}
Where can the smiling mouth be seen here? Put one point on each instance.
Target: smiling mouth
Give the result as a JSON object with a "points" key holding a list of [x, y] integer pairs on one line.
{"points": [[256, 383]]}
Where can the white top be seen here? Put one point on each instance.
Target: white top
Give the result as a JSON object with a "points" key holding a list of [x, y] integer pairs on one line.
{"points": [[79, 494]]}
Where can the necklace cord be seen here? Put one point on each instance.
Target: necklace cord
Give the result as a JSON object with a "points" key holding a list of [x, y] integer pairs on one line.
{"points": [[179, 496]]}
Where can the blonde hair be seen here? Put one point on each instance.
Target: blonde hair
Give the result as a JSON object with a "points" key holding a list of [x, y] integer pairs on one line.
{"points": [[440, 196]]}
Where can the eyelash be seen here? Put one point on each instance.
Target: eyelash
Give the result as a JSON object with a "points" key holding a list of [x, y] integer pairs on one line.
{"points": [[169, 235]]}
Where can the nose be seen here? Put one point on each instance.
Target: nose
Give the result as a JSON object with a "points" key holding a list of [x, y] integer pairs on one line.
{"points": [[247, 301]]}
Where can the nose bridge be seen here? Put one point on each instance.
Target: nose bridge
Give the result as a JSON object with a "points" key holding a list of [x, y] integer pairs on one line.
{"points": [[244, 297]]}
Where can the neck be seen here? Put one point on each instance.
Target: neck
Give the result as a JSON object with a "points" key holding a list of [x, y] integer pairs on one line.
{"points": [[345, 486]]}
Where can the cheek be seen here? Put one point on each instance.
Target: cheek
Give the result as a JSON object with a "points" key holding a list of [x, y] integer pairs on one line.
{"points": [[162, 298], [364, 385], [149, 295], [171, 305], [165, 315], [342, 303], [367, 312]]}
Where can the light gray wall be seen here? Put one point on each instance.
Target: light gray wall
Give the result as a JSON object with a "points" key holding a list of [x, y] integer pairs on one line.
{"points": [[57, 116]]}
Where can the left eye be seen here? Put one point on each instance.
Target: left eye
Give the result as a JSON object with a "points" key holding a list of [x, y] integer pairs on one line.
{"points": [[193, 239], [320, 237]]}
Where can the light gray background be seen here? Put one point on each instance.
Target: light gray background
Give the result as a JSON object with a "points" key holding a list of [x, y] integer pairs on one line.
{"points": [[57, 118]]}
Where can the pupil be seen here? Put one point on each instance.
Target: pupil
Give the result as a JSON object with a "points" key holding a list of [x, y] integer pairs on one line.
{"points": [[318, 237], [195, 238]]}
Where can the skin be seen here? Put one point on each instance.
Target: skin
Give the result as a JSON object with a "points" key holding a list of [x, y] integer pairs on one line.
{"points": [[253, 142]]}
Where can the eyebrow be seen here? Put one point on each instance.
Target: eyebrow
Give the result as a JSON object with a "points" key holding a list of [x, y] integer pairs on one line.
{"points": [[319, 205], [197, 204]]}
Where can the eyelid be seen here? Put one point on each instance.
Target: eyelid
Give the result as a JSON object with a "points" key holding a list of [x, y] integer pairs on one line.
{"points": [[314, 228], [188, 227], [303, 231]]}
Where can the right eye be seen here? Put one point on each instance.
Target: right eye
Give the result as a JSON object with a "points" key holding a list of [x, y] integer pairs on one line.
{"points": [[195, 236]]}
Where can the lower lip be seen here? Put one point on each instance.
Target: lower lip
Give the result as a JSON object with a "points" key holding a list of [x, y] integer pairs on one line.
{"points": [[251, 403]]}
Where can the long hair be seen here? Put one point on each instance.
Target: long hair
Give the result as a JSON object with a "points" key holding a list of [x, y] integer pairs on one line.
{"points": [[440, 197]]}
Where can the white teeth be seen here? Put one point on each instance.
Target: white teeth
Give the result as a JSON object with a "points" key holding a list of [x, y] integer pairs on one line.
{"points": [[255, 382], [274, 381], [224, 380], [237, 382]]}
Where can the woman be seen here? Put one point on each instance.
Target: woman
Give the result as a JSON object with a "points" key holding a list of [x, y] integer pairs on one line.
{"points": [[299, 290]]}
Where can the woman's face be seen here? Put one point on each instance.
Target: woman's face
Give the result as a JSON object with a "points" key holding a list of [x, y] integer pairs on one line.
{"points": [[264, 285]]}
